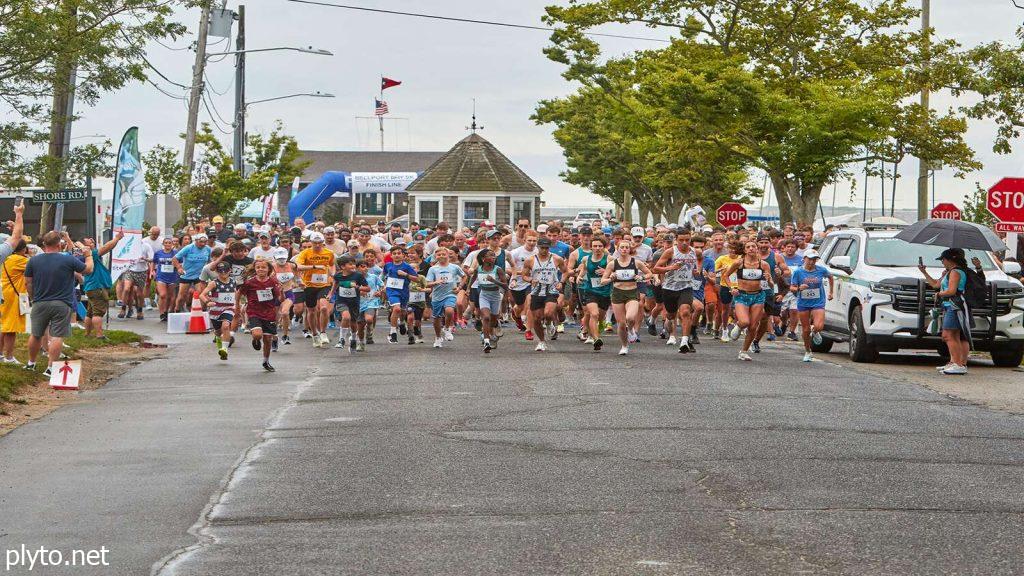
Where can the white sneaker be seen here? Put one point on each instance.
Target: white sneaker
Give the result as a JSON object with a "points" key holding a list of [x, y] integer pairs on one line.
{"points": [[725, 335], [540, 347], [438, 342], [944, 366], [735, 332], [589, 340], [671, 340], [448, 335], [816, 338], [684, 343], [12, 361], [744, 356], [808, 357], [955, 370], [341, 344], [624, 350]]}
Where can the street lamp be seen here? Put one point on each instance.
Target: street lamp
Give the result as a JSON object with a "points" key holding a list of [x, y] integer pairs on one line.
{"points": [[240, 138]]}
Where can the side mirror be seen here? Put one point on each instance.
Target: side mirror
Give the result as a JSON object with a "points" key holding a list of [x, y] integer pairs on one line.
{"points": [[841, 263], [1011, 268]]}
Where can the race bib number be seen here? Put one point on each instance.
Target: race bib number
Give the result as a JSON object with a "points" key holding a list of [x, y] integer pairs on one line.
{"points": [[765, 285], [751, 273], [318, 279], [395, 283], [417, 297], [167, 268], [545, 276], [486, 280], [347, 292], [810, 294], [625, 275], [445, 278], [265, 295], [595, 283], [226, 298], [697, 283], [684, 274]]}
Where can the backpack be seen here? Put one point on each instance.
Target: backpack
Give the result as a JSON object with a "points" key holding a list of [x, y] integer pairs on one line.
{"points": [[975, 290]]}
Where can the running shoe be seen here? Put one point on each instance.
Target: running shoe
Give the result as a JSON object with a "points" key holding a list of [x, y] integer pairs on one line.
{"points": [[30, 366], [360, 347], [791, 336], [624, 350], [231, 341], [324, 339], [684, 345], [13, 361], [412, 339], [808, 357], [944, 366], [663, 335], [393, 338], [163, 317], [519, 323], [273, 345], [560, 329], [954, 370], [268, 367], [549, 329], [352, 345], [779, 330], [487, 345], [257, 343], [693, 349], [540, 347], [756, 347], [438, 342], [598, 344], [816, 338], [48, 373], [694, 339], [369, 338], [448, 335], [652, 327], [671, 340], [734, 334], [286, 340], [744, 356], [770, 336], [529, 335], [217, 342], [331, 325], [419, 339], [479, 325], [122, 313], [589, 340], [341, 344], [223, 353], [306, 334]]}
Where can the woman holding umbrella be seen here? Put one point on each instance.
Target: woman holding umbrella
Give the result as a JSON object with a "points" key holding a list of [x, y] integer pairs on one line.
{"points": [[956, 328]]}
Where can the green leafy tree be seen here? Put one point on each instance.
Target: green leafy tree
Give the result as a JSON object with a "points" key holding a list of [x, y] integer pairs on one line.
{"points": [[976, 207], [164, 172], [797, 88]]}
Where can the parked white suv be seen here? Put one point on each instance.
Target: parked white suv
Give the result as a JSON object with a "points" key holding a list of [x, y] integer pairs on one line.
{"points": [[882, 304], [587, 218]]}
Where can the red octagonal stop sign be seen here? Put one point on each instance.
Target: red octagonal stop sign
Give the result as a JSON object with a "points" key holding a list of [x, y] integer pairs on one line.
{"points": [[946, 211], [731, 214], [1006, 200]]}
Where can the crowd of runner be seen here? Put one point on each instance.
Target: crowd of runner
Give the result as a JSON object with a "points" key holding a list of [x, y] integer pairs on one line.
{"points": [[333, 285]]}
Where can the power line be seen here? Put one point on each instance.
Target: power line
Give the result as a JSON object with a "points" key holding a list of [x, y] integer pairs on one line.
{"points": [[214, 90], [469, 20], [214, 105], [213, 118]]}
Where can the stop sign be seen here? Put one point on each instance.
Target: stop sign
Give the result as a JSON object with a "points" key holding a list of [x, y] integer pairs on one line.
{"points": [[946, 211], [731, 214], [1006, 200]]}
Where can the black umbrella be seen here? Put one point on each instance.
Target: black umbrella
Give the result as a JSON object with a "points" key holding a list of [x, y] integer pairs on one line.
{"points": [[952, 234]]}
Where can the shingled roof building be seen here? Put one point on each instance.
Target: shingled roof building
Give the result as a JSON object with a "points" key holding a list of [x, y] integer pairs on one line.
{"points": [[471, 183]]}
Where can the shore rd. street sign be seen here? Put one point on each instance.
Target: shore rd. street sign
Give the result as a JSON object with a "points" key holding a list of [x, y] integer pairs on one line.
{"points": [[1008, 227], [946, 211], [1006, 200], [66, 195], [731, 214]]}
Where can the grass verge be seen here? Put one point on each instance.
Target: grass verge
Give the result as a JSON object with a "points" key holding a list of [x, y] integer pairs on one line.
{"points": [[13, 377]]}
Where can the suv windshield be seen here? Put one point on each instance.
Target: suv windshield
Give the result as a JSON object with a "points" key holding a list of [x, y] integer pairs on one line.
{"points": [[896, 252], [588, 216]]}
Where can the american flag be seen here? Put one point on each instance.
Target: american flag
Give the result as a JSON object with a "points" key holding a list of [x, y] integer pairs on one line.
{"points": [[382, 107]]}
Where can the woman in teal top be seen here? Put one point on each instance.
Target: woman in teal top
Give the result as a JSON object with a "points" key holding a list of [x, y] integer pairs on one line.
{"points": [[956, 327], [596, 296]]}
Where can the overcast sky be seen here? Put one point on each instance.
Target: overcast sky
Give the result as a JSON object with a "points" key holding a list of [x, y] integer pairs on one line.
{"points": [[443, 66]]}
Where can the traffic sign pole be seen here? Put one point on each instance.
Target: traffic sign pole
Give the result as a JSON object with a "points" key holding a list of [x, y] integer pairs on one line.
{"points": [[1006, 202], [731, 214]]}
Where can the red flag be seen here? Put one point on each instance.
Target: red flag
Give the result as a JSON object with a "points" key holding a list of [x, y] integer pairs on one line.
{"points": [[386, 83]]}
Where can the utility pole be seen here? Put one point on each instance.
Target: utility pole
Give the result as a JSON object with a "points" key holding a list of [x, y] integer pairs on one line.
{"points": [[239, 147], [197, 92], [61, 116], [923, 163]]}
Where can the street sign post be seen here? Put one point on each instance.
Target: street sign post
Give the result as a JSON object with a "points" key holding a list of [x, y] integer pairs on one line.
{"points": [[64, 195], [731, 214], [946, 211], [1006, 202]]}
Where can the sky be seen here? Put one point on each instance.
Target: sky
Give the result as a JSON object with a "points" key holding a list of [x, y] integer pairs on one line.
{"points": [[443, 66]]}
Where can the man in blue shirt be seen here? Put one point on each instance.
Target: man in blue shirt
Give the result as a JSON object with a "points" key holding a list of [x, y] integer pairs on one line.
{"points": [[558, 248], [396, 276], [50, 279], [190, 261], [97, 284]]}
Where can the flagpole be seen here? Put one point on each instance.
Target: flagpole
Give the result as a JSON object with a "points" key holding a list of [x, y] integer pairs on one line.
{"points": [[380, 118]]}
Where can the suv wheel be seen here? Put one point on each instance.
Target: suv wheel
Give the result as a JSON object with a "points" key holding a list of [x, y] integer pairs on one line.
{"points": [[1008, 357], [861, 349]]}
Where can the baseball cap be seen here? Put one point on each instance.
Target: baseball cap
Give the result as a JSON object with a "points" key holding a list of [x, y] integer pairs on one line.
{"points": [[584, 230], [542, 228], [544, 243], [329, 229], [487, 224], [493, 233], [316, 237], [200, 237], [281, 254], [637, 231], [223, 267], [352, 243], [264, 234], [217, 219], [812, 254]]}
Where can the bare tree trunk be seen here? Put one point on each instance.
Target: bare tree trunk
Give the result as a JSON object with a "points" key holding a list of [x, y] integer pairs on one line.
{"points": [[627, 207], [643, 214], [805, 204], [672, 212], [785, 188]]}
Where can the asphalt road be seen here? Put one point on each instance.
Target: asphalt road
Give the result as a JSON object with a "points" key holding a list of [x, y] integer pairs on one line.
{"points": [[409, 460]]}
